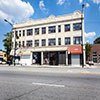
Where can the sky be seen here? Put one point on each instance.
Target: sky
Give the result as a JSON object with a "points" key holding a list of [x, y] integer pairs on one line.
{"points": [[21, 10]]}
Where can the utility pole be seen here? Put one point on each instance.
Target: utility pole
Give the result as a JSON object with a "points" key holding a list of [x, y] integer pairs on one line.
{"points": [[82, 44]]}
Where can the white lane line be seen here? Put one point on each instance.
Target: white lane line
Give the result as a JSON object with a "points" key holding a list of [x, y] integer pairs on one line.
{"points": [[44, 84]]}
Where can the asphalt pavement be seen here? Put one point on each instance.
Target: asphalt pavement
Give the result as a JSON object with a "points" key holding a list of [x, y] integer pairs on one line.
{"points": [[32, 85]]}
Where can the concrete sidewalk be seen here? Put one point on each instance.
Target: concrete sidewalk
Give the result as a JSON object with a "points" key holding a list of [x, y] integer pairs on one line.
{"points": [[49, 69]]}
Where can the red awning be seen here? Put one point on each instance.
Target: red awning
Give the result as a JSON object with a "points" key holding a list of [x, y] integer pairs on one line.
{"points": [[75, 49]]}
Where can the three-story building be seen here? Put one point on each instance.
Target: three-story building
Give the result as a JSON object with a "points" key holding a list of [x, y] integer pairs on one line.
{"points": [[54, 40]]}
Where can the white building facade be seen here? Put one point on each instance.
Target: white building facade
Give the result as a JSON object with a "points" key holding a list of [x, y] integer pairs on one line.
{"points": [[50, 41]]}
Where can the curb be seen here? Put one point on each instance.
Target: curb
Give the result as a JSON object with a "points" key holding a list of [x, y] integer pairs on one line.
{"points": [[42, 71]]}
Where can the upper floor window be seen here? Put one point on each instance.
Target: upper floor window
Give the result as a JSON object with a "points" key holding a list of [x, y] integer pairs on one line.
{"points": [[36, 31], [29, 43], [16, 33], [52, 42], [19, 43], [20, 33], [77, 40], [43, 42], [95, 53], [59, 41], [23, 32], [43, 30], [36, 43], [23, 43], [77, 26], [16, 44], [67, 27], [59, 28], [95, 57], [29, 32], [52, 29], [67, 40]]}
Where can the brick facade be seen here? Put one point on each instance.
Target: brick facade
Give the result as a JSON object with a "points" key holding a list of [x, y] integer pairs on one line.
{"points": [[95, 53]]}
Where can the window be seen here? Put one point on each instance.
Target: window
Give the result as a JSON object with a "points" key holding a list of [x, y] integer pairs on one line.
{"points": [[16, 33], [25, 57], [23, 32], [67, 27], [4, 55], [20, 33], [52, 29], [52, 42], [29, 32], [59, 41], [23, 44], [16, 44], [19, 43], [59, 28], [36, 43], [36, 31], [67, 40], [43, 30], [29, 43], [43, 42], [77, 26], [77, 40], [95, 57]]}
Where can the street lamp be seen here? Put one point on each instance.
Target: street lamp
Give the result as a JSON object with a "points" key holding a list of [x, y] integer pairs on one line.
{"points": [[15, 39], [82, 17]]}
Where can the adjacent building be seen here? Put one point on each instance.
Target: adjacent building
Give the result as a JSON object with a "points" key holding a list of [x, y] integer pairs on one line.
{"points": [[3, 56], [55, 40], [95, 53]]}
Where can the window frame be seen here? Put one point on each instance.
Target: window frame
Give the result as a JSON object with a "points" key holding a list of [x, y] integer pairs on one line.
{"points": [[77, 26], [52, 29], [67, 27], [67, 40], [52, 42], [29, 32]]}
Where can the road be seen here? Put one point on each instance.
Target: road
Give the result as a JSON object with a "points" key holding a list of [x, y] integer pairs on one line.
{"points": [[15, 85]]}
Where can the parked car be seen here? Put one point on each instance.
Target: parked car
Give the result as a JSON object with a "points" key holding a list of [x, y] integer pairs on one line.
{"points": [[90, 62], [4, 62], [0, 62]]}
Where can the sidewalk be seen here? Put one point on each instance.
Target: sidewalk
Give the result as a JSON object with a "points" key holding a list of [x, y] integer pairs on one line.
{"points": [[53, 69]]}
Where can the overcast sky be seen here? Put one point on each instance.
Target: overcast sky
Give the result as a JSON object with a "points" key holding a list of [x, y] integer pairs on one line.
{"points": [[22, 10]]}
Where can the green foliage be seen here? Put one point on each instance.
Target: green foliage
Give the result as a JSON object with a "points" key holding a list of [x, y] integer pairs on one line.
{"points": [[88, 50], [97, 41], [7, 42]]}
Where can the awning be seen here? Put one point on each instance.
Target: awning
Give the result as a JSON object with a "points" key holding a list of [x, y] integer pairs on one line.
{"points": [[75, 49], [1, 56]]}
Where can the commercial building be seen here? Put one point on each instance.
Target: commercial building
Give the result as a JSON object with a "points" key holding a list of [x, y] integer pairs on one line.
{"points": [[3, 56], [53, 40], [95, 53]]}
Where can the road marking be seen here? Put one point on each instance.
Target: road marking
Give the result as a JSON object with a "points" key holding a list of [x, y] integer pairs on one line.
{"points": [[52, 85]]}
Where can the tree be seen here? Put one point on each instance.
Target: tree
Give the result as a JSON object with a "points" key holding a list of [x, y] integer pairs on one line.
{"points": [[7, 42], [88, 50], [97, 40]]}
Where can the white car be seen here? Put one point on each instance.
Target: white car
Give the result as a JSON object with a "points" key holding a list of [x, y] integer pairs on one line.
{"points": [[3, 62], [0, 62]]}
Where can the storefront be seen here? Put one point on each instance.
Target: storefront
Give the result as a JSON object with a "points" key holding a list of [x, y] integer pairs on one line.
{"points": [[75, 55]]}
